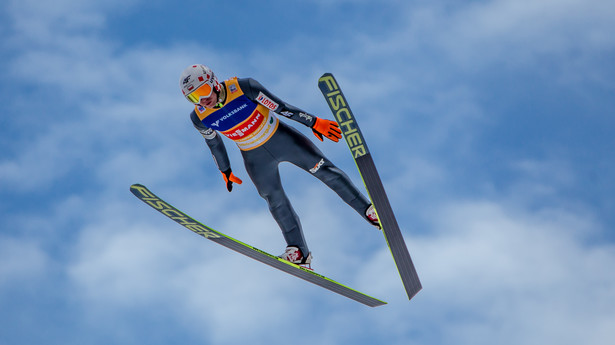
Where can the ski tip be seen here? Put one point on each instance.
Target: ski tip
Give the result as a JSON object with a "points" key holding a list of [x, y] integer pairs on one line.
{"points": [[138, 189], [326, 75]]}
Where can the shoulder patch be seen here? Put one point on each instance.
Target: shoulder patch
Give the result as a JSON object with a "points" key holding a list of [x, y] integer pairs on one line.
{"points": [[267, 102]]}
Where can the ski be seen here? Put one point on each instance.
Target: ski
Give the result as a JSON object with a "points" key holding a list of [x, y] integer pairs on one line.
{"points": [[188, 222], [365, 163]]}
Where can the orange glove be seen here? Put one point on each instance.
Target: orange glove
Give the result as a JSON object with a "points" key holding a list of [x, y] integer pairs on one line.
{"points": [[328, 128], [229, 178]]}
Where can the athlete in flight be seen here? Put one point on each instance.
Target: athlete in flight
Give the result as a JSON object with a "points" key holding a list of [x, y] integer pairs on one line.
{"points": [[244, 111]]}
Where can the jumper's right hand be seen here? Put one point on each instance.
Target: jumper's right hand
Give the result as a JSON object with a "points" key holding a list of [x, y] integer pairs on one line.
{"points": [[327, 128], [229, 178]]}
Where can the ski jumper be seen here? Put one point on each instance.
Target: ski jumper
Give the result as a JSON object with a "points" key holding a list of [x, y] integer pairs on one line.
{"points": [[247, 116]]}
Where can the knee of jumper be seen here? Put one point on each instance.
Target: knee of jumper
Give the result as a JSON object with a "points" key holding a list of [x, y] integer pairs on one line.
{"points": [[275, 198], [329, 173]]}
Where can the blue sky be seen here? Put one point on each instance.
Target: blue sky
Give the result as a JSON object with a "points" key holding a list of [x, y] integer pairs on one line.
{"points": [[490, 122]]}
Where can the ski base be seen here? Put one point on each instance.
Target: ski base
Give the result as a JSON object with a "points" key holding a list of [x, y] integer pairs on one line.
{"points": [[306, 274]]}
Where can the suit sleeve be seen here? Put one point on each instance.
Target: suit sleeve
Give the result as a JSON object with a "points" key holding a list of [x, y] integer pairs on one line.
{"points": [[259, 94], [214, 142]]}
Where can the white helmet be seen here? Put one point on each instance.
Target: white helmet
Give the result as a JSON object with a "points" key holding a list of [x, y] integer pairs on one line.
{"points": [[198, 81]]}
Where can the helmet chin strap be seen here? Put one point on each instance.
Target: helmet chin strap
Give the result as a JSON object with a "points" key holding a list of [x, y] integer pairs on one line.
{"points": [[221, 97]]}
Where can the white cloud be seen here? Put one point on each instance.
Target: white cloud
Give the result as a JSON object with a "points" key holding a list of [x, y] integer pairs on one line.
{"points": [[516, 276], [438, 44], [42, 21], [517, 32], [21, 260], [119, 104]]}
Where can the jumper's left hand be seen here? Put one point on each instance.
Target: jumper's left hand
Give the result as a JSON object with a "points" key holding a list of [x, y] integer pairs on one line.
{"points": [[328, 128], [230, 178]]}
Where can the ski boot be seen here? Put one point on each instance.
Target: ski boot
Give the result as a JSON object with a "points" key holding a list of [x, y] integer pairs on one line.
{"points": [[372, 217], [294, 255]]}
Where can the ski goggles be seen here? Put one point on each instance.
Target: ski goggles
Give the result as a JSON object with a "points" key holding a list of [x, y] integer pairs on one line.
{"points": [[202, 91]]}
